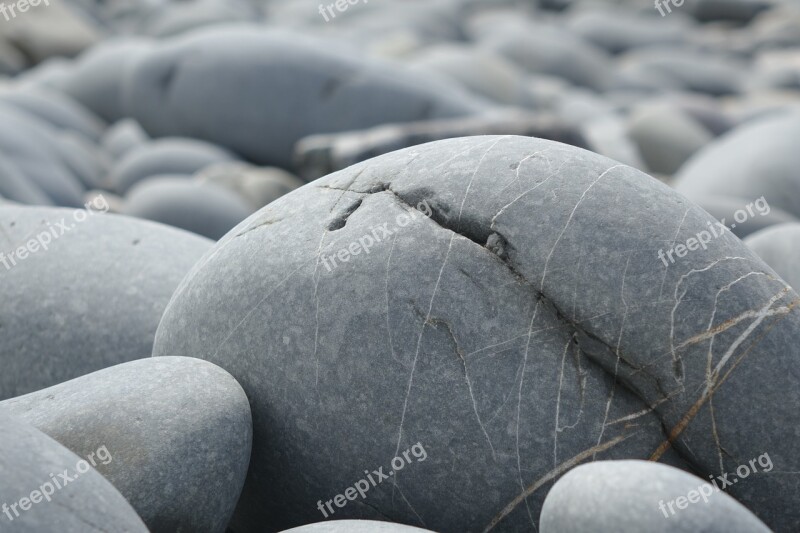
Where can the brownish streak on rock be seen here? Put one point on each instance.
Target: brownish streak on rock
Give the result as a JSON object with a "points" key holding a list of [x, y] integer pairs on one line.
{"points": [[692, 412], [557, 471]]}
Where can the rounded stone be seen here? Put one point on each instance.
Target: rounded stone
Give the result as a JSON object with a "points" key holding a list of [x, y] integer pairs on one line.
{"points": [[165, 156], [209, 85], [177, 432], [355, 526], [779, 247], [524, 327], [122, 137], [257, 186], [613, 496], [32, 461], [91, 299], [207, 209], [666, 136], [704, 109], [51, 30], [759, 158]]}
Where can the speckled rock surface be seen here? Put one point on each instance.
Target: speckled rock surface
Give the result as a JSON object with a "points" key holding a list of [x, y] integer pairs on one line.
{"points": [[92, 299], [174, 427], [31, 461], [490, 333]]}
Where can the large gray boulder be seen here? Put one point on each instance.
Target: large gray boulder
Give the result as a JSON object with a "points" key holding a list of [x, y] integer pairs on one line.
{"points": [[86, 292], [178, 431], [487, 337], [207, 209], [757, 159], [613, 496], [36, 497], [257, 91], [779, 247]]}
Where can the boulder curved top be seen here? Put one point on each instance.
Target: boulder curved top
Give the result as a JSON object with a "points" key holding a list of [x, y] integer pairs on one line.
{"points": [[527, 325]]}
